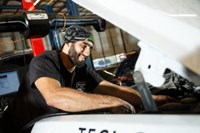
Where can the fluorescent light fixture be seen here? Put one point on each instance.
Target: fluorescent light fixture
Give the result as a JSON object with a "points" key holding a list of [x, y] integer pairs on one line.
{"points": [[36, 2], [181, 15], [49, 2]]}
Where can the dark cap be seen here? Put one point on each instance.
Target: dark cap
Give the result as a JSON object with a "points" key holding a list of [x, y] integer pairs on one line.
{"points": [[77, 33]]}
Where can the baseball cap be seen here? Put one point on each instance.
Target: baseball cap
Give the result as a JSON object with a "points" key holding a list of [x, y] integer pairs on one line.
{"points": [[77, 33]]}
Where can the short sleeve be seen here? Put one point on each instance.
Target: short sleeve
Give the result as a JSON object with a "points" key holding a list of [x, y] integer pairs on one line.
{"points": [[42, 67]]}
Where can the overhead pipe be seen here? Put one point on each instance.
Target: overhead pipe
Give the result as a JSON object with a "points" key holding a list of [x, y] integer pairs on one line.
{"points": [[12, 23], [98, 23], [39, 23]]}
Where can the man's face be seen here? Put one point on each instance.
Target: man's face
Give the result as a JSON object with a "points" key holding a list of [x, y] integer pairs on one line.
{"points": [[79, 51]]}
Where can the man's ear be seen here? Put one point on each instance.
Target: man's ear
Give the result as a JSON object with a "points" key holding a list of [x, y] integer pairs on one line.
{"points": [[68, 44]]}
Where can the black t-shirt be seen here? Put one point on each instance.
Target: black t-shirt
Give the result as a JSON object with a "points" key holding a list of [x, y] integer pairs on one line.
{"points": [[29, 101]]}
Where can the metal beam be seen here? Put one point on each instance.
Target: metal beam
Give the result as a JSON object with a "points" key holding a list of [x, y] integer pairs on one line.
{"points": [[72, 8]]}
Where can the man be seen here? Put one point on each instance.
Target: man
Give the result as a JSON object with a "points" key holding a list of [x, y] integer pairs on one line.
{"points": [[59, 81]]}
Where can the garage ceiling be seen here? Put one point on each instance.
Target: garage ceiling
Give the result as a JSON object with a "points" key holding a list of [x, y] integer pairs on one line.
{"points": [[10, 7]]}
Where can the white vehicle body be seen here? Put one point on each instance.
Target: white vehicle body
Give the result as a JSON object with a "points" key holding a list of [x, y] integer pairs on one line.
{"points": [[141, 123], [169, 34]]}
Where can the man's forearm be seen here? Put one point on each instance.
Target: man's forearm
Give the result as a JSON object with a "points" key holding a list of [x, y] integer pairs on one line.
{"points": [[71, 100]]}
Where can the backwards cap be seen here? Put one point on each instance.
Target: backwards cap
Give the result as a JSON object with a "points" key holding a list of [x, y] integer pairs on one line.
{"points": [[77, 33]]}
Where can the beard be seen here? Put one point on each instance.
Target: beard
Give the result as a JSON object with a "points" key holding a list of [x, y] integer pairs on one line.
{"points": [[73, 54]]}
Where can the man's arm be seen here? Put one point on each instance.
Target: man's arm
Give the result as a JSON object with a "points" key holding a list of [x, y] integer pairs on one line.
{"points": [[124, 92], [70, 100]]}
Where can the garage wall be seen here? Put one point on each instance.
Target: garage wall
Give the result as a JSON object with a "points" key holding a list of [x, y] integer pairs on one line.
{"points": [[6, 42], [15, 41]]}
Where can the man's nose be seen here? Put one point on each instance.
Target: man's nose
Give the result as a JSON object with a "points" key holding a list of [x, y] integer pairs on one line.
{"points": [[86, 51]]}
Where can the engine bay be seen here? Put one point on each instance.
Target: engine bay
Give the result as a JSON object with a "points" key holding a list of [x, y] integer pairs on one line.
{"points": [[185, 94]]}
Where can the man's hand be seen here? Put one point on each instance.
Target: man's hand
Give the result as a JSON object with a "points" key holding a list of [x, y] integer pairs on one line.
{"points": [[124, 108], [162, 99]]}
